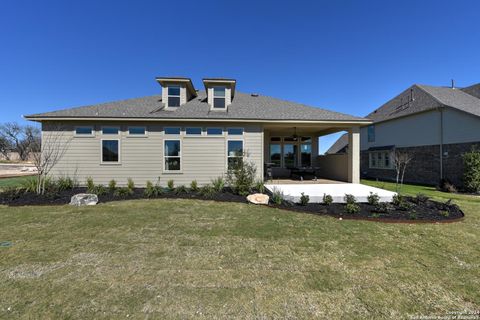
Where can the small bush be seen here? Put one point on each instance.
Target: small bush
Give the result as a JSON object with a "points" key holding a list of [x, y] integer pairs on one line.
{"points": [[349, 199], [112, 185], [260, 186], [397, 199], [171, 185], [99, 190], [352, 208], [65, 183], [181, 189], [405, 205], [373, 199], [207, 191], [218, 184], [382, 207], [90, 185], [471, 171], [412, 215], [277, 196], [444, 213], [375, 215], [152, 191], [421, 198], [241, 176], [304, 199], [130, 184], [327, 199], [194, 186], [446, 186], [122, 192], [30, 185]]}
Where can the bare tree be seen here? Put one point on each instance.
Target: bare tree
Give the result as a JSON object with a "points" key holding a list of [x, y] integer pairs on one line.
{"points": [[20, 138], [401, 161], [52, 146], [5, 148]]}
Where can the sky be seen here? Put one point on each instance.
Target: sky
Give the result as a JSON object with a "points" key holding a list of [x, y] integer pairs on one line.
{"points": [[346, 56]]}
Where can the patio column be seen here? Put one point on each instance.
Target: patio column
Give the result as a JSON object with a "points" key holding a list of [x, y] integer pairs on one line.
{"points": [[354, 155]]}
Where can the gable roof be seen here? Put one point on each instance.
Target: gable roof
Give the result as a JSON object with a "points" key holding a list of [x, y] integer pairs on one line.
{"points": [[473, 90], [339, 145], [243, 107]]}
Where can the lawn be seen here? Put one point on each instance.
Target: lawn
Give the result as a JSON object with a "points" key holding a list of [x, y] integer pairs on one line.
{"points": [[13, 182], [201, 259]]}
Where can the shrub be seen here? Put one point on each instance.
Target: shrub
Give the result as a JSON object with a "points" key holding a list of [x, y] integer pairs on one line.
{"points": [[444, 213], [218, 184], [404, 205], [304, 199], [412, 215], [30, 184], [122, 192], [349, 199], [446, 186], [207, 191], [171, 185], [181, 189], [421, 198], [130, 184], [397, 199], [152, 191], [277, 196], [260, 186], [65, 183], [241, 176], [471, 171], [90, 185], [194, 186], [352, 208], [375, 215], [112, 185], [99, 190], [373, 199], [382, 207], [327, 199]]}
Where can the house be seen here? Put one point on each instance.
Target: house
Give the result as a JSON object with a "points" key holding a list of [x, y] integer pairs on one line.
{"points": [[435, 125], [186, 134]]}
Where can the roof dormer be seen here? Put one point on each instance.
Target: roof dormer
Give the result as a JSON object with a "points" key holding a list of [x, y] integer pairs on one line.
{"points": [[220, 92], [176, 91]]}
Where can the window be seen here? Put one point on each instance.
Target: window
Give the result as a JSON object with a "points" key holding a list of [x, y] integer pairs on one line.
{"points": [[276, 154], [193, 131], [110, 130], [172, 130], [234, 153], [219, 97], [110, 151], [173, 96], [84, 131], [172, 155], [235, 131], [137, 131], [306, 152], [275, 139], [380, 160], [371, 133], [214, 131], [289, 155]]}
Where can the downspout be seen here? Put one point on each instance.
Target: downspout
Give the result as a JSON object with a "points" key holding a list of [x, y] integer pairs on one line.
{"points": [[441, 143]]}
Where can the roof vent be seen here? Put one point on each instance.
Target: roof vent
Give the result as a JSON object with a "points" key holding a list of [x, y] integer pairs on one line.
{"points": [[254, 94], [453, 84]]}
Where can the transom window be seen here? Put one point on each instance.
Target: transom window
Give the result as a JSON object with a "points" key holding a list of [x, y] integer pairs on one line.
{"points": [[214, 131], [84, 131], [110, 130], [172, 130], [110, 151], [173, 96], [172, 155], [234, 153], [380, 160], [219, 97], [193, 131], [137, 131], [235, 131]]}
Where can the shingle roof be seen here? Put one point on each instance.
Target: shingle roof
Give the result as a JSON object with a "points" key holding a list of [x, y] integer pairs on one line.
{"points": [[339, 145], [244, 106], [473, 90]]}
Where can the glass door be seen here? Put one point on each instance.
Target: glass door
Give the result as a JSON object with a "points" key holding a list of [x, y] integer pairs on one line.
{"points": [[289, 155]]}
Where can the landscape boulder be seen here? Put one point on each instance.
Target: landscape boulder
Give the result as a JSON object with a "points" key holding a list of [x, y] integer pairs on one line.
{"points": [[84, 199], [258, 198]]}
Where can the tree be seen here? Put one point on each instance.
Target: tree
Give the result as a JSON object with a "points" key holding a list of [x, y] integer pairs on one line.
{"points": [[20, 138], [401, 161], [52, 147], [5, 148], [471, 172]]}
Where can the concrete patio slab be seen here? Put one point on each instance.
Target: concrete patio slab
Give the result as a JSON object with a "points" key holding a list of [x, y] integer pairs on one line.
{"points": [[292, 192]]}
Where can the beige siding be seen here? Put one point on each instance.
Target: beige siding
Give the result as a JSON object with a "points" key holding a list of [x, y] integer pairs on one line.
{"points": [[141, 158]]}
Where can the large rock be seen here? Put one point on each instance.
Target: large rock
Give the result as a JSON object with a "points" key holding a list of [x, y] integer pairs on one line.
{"points": [[84, 199], [258, 198]]}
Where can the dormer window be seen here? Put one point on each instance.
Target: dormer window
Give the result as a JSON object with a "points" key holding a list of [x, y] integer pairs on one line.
{"points": [[219, 98], [173, 96]]}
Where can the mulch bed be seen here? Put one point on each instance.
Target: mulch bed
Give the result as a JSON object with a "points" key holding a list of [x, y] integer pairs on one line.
{"points": [[423, 210]]}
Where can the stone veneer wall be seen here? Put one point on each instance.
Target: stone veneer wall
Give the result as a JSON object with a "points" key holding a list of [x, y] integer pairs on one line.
{"points": [[425, 166]]}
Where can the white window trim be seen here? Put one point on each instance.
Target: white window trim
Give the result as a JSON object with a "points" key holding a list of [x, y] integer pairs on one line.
{"points": [[179, 96], [235, 135], [194, 134], [226, 150], [137, 135], [215, 135], [180, 155], [172, 134], [212, 106], [110, 134], [282, 144], [372, 154], [91, 135], [111, 163]]}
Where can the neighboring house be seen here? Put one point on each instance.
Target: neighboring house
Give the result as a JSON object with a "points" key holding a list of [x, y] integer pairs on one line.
{"points": [[186, 134], [436, 125]]}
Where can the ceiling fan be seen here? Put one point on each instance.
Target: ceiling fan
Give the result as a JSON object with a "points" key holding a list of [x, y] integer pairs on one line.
{"points": [[295, 136]]}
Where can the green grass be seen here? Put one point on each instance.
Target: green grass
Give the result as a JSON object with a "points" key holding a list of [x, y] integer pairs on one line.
{"points": [[200, 259], [12, 182]]}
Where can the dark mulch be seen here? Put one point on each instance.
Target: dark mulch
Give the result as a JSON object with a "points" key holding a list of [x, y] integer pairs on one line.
{"points": [[413, 209]]}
